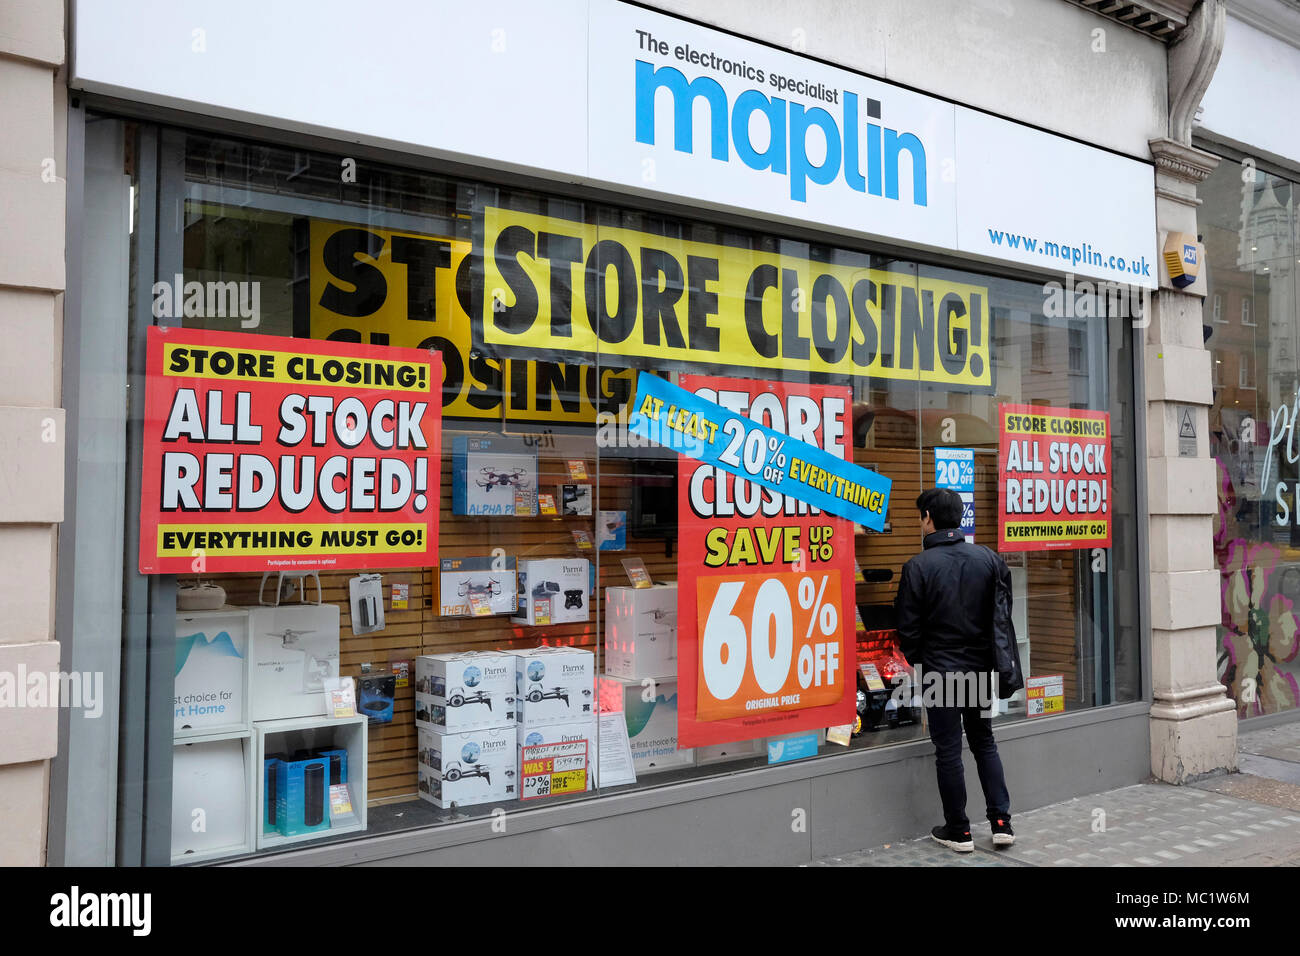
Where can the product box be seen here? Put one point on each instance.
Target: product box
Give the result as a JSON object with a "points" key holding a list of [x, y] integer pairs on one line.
{"points": [[554, 685], [302, 795], [492, 475], [338, 764], [475, 766], [295, 649], [575, 499], [562, 733], [211, 662], [465, 691], [649, 708], [611, 530], [270, 778], [472, 587], [741, 749], [554, 591], [641, 631]]}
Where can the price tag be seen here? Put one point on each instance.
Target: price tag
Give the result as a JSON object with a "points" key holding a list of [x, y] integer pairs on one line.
{"points": [[840, 735], [524, 501], [340, 697], [769, 642], [582, 539], [400, 598], [1045, 695], [546, 504], [578, 470], [871, 676], [541, 611], [636, 572], [550, 769], [340, 800], [479, 604], [402, 671]]}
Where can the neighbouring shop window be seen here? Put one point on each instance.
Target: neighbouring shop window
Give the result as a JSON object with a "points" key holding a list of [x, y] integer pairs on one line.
{"points": [[545, 312], [1249, 224]]}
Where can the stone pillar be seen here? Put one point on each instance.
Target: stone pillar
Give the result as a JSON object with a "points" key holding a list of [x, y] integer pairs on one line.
{"points": [[33, 116], [1193, 721]]}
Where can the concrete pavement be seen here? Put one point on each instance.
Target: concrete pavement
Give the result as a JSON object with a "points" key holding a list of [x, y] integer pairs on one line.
{"points": [[1250, 818]]}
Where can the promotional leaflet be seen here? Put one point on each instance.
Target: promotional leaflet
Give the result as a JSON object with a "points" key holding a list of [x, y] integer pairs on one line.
{"points": [[765, 627], [954, 468], [1054, 488], [263, 454]]}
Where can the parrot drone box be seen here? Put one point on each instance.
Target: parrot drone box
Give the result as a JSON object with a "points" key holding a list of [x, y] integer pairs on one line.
{"points": [[464, 691], [473, 587], [554, 685], [553, 591], [294, 650], [561, 734], [475, 766], [641, 631], [492, 475]]}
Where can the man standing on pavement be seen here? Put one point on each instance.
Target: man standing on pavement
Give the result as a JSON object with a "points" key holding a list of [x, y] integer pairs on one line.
{"points": [[953, 603]]}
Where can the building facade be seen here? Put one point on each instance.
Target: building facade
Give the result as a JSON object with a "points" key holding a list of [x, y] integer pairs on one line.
{"points": [[927, 243]]}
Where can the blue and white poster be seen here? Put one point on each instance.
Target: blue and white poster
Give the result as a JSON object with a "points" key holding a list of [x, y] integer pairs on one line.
{"points": [[955, 468]]}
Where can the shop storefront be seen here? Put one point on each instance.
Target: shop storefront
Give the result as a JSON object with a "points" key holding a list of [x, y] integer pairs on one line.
{"points": [[1251, 322], [480, 496]]}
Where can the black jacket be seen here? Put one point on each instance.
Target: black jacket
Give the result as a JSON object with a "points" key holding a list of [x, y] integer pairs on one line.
{"points": [[954, 609]]}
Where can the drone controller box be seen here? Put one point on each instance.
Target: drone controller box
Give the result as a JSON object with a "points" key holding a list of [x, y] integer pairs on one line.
{"points": [[475, 766], [641, 631], [553, 591], [474, 587], [302, 795], [464, 691], [295, 649], [492, 475], [649, 708], [560, 734], [554, 685]]}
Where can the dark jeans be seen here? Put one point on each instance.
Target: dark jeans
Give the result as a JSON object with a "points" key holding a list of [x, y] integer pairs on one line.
{"points": [[945, 733]]}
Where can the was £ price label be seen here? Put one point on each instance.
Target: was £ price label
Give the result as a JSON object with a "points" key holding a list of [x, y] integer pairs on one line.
{"points": [[1045, 695], [550, 769], [769, 642]]}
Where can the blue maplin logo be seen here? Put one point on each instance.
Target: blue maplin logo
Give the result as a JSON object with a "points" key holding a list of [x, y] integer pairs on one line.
{"points": [[787, 150]]}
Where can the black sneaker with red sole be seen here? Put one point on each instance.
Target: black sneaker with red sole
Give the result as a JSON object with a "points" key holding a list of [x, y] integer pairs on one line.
{"points": [[1002, 832], [959, 840]]}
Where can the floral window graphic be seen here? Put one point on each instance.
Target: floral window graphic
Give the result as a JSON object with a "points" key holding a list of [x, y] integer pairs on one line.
{"points": [[1258, 631]]}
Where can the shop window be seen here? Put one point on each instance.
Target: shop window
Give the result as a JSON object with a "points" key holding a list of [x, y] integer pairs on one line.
{"points": [[1218, 308], [551, 507], [1247, 304]]}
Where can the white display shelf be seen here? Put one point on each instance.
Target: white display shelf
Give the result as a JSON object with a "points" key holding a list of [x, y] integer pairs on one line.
{"points": [[293, 733], [194, 783]]}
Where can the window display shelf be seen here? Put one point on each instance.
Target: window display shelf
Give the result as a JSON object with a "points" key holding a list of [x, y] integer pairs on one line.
{"points": [[288, 735]]}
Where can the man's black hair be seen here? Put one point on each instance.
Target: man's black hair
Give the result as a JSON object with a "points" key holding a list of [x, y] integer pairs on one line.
{"points": [[944, 506]]}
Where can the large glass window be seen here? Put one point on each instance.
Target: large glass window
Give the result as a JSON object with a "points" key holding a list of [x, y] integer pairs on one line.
{"points": [[544, 310], [1249, 223]]}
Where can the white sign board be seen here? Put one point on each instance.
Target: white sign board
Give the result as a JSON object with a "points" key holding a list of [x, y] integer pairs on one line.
{"points": [[617, 96]]}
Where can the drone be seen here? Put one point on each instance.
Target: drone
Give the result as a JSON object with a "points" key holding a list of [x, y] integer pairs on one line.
{"points": [[546, 589], [490, 478], [661, 614], [455, 772], [536, 694], [459, 698], [487, 589], [288, 637]]}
